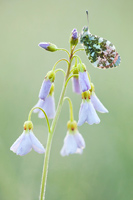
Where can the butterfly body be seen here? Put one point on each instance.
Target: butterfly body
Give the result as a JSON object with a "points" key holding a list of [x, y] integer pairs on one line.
{"points": [[100, 52]]}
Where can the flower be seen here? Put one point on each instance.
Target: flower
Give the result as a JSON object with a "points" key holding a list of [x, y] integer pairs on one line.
{"points": [[46, 85], [27, 141], [48, 46], [97, 104], [73, 142], [48, 105], [76, 85], [75, 81], [87, 112], [83, 78]]}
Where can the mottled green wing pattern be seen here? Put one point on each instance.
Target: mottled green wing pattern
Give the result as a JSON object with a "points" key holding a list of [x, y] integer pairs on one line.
{"points": [[100, 52]]}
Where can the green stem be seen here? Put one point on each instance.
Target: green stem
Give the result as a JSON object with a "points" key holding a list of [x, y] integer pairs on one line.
{"points": [[50, 135], [78, 58], [45, 168], [78, 50], [70, 78], [71, 108], [29, 117], [63, 59], [61, 49], [59, 69]]}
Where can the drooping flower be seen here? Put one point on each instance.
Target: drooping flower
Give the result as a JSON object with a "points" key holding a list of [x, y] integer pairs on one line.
{"points": [[27, 141], [48, 46], [96, 102], [83, 78], [48, 105], [75, 81], [46, 85], [87, 111], [73, 142]]}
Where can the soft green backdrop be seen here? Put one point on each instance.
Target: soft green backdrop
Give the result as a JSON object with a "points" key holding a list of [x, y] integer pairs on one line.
{"points": [[105, 170]]}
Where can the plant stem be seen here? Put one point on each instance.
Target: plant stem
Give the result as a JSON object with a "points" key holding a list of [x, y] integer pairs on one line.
{"points": [[50, 134]]}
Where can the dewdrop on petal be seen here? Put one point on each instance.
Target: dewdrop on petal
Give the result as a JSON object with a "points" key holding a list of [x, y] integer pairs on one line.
{"points": [[27, 141]]}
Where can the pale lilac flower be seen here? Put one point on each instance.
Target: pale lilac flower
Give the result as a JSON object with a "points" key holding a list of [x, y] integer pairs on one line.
{"points": [[84, 81], [73, 143], [26, 142], [87, 114], [45, 89], [97, 104], [48, 106], [76, 85]]}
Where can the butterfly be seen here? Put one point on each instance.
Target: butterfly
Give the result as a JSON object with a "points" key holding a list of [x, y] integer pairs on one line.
{"points": [[100, 52]]}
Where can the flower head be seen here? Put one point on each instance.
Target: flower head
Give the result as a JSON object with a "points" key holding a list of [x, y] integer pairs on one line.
{"points": [[27, 141], [87, 112], [48, 105], [83, 78], [48, 46], [75, 81], [73, 142], [46, 85]]}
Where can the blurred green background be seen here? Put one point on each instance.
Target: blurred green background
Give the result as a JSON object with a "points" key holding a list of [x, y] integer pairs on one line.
{"points": [[105, 169]]}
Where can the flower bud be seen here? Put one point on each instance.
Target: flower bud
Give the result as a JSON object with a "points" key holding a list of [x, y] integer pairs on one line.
{"points": [[48, 46], [74, 38]]}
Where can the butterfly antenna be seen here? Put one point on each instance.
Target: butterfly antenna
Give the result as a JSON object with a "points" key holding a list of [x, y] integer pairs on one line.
{"points": [[87, 17]]}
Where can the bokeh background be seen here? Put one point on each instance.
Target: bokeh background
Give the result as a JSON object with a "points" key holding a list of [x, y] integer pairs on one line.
{"points": [[105, 169]]}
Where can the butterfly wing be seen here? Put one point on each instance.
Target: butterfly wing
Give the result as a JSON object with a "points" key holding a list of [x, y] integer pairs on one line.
{"points": [[100, 52]]}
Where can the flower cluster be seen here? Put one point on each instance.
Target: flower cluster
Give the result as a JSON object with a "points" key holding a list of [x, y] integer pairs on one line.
{"points": [[45, 107]]}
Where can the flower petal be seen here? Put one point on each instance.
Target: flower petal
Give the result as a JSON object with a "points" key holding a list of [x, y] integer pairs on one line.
{"points": [[25, 146], [69, 146], [92, 117], [83, 113], [48, 107], [75, 85], [16, 144], [45, 88], [97, 104], [84, 81], [79, 140], [40, 104], [36, 145]]}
